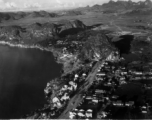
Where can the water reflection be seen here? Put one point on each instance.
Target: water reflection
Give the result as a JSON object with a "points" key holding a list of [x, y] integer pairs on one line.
{"points": [[23, 76]]}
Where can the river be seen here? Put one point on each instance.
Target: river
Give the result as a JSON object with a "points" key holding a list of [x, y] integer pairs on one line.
{"points": [[24, 74]]}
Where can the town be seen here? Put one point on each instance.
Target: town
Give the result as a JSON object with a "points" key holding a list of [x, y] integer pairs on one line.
{"points": [[101, 95]]}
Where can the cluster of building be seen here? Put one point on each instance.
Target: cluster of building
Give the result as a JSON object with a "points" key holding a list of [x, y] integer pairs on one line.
{"points": [[98, 95], [140, 75], [102, 93], [66, 92]]}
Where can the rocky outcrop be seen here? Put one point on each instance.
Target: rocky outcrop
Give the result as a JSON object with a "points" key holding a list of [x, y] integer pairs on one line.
{"points": [[19, 15], [42, 30], [37, 32], [71, 27], [96, 47], [11, 33], [29, 34]]}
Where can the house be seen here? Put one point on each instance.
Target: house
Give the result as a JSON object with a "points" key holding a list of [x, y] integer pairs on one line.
{"points": [[117, 103], [76, 77], [102, 66], [107, 98], [88, 98], [73, 84], [70, 88], [52, 113], [65, 56], [97, 91], [65, 97], [99, 78], [123, 68], [88, 113], [81, 114], [81, 110], [124, 73], [101, 74], [123, 82], [114, 96], [72, 115], [122, 78], [143, 109], [136, 78], [130, 103], [55, 100], [101, 115], [99, 69], [107, 67], [64, 88], [84, 74], [138, 73], [57, 104], [105, 63], [47, 90], [95, 100], [108, 84], [75, 110]]}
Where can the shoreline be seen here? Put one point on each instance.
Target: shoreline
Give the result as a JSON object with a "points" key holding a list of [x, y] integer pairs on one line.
{"points": [[56, 54], [26, 46]]}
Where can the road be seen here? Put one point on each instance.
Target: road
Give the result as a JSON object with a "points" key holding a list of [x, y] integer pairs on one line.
{"points": [[73, 103]]}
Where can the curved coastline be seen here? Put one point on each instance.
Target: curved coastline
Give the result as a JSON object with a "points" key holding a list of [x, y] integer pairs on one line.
{"points": [[25, 46], [23, 71]]}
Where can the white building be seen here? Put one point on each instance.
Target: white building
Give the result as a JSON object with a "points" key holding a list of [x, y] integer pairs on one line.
{"points": [[88, 113]]}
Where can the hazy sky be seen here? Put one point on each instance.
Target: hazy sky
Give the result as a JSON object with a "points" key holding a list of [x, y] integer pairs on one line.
{"points": [[47, 4]]}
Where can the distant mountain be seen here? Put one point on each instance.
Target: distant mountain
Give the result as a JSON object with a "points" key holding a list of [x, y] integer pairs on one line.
{"points": [[146, 11], [70, 27], [4, 16], [119, 5], [127, 5], [71, 13], [110, 7]]}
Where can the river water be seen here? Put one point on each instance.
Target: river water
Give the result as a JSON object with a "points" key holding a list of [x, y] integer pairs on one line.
{"points": [[24, 74]]}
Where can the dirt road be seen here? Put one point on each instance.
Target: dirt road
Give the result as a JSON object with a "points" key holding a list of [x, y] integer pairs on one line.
{"points": [[113, 24]]}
